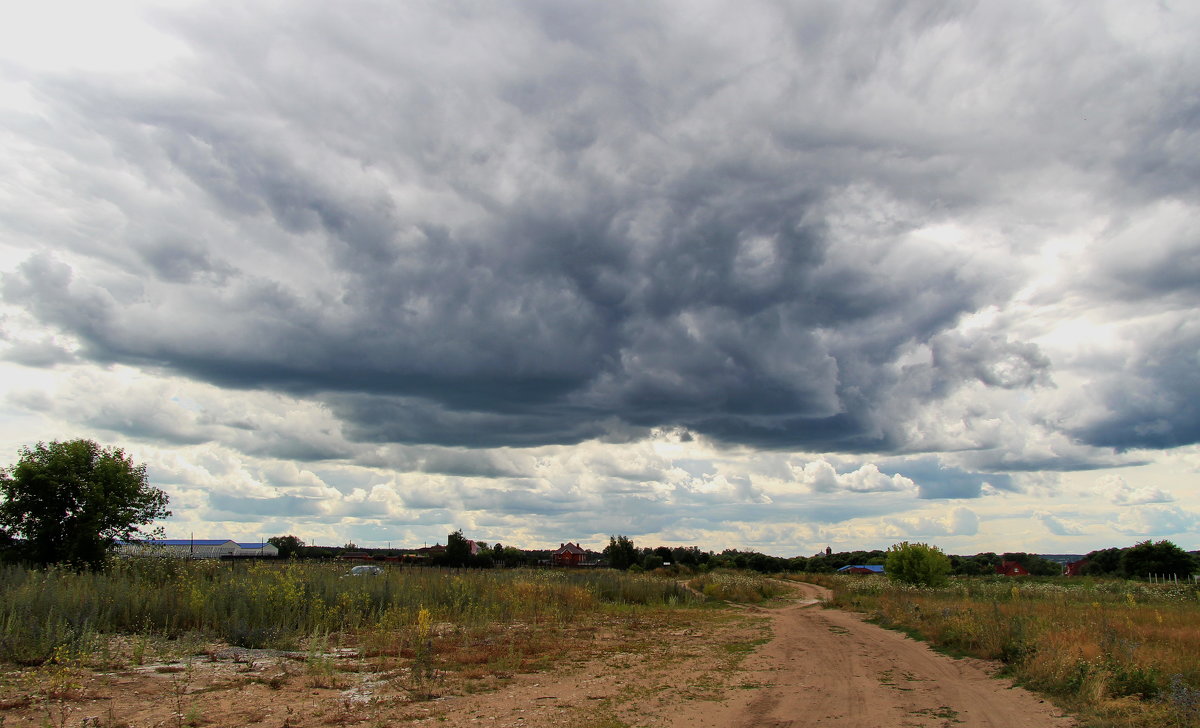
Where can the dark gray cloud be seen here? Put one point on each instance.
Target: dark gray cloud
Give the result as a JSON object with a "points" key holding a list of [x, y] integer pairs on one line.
{"points": [[232, 507], [936, 480], [589, 224], [1152, 401]]}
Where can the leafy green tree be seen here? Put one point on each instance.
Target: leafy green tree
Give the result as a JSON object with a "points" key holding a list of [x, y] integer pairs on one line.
{"points": [[1162, 557], [1104, 562], [513, 556], [620, 552], [689, 556], [818, 565], [458, 550], [1033, 563], [72, 501], [288, 545], [8, 547], [978, 565], [482, 560], [918, 564], [763, 563]]}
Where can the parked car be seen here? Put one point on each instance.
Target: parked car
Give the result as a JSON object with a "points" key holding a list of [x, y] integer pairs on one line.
{"points": [[365, 570]]}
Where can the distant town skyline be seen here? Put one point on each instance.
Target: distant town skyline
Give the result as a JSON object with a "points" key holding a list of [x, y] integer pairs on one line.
{"points": [[766, 276]]}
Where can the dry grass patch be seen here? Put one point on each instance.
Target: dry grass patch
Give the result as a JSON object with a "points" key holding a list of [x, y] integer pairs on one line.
{"points": [[362, 652], [1120, 654]]}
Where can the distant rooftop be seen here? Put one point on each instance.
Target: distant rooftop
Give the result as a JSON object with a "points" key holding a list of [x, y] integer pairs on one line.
{"points": [[189, 542], [877, 568]]}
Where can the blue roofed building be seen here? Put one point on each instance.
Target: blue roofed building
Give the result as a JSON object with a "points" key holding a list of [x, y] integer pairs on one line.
{"points": [[861, 569], [257, 548]]}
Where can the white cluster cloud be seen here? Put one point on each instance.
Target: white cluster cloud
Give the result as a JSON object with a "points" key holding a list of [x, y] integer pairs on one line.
{"points": [[821, 477], [957, 521], [1120, 493], [1154, 522], [1060, 526]]}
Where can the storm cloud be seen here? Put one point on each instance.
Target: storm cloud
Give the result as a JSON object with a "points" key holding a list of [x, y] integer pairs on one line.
{"points": [[818, 228]]}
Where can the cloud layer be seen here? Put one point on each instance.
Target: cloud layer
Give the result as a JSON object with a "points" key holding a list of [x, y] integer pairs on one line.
{"points": [[939, 250]]}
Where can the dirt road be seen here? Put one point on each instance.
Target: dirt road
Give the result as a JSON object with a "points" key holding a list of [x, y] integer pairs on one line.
{"points": [[829, 668]]}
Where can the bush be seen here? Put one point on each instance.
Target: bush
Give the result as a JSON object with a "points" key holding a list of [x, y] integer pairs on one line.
{"points": [[652, 562], [736, 586], [917, 564]]}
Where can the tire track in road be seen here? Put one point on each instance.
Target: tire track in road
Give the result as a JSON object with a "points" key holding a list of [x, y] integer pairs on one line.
{"points": [[826, 667]]}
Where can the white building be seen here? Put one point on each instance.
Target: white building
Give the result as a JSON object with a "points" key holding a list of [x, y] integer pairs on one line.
{"points": [[196, 548], [261, 548]]}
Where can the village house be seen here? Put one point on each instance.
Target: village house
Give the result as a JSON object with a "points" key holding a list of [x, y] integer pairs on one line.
{"points": [[1074, 568], [568, 554], [1011, 568]]}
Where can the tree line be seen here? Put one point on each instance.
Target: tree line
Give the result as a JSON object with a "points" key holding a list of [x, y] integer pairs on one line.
{"points": [[1147, 557]]}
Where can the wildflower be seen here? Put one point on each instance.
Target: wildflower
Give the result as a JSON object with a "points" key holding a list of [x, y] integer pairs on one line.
{"points": [[424, 623]]}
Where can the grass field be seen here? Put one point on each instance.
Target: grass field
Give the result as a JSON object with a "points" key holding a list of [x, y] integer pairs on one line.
{"points": [[46, 614], [204, 640], [1117, 653]]}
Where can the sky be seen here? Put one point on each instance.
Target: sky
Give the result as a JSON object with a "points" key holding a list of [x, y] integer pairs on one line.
{"points": [[757, 275]]}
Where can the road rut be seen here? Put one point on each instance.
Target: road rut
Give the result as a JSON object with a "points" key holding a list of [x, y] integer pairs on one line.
{"points": [[825, 667]]}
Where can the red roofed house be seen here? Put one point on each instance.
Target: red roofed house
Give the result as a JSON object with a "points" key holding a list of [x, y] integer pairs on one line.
{"points": [[567, 554], [1012, 568], [1074, 568]]}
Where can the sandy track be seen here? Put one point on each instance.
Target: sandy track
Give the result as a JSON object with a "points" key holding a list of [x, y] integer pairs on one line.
{"points": [[830, 668]]}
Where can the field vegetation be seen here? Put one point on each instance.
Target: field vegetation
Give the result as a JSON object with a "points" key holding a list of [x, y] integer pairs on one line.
{"points": [[409, 634], [736, 586], [255, 605], [1115, 652]]}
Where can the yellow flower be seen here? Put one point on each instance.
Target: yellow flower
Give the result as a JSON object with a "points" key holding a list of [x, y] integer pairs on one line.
{"points": [[424, 623]]}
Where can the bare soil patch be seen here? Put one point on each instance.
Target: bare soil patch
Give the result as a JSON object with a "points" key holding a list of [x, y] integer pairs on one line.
{"points": [[561, 676], [830, 668]]}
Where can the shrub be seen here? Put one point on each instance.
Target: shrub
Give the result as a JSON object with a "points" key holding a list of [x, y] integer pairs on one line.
{"points": [[736, 586], [917, 564]]}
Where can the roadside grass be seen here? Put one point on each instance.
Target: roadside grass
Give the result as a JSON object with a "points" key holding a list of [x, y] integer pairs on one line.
{"points": [[1118, 654], [737, 586]]}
